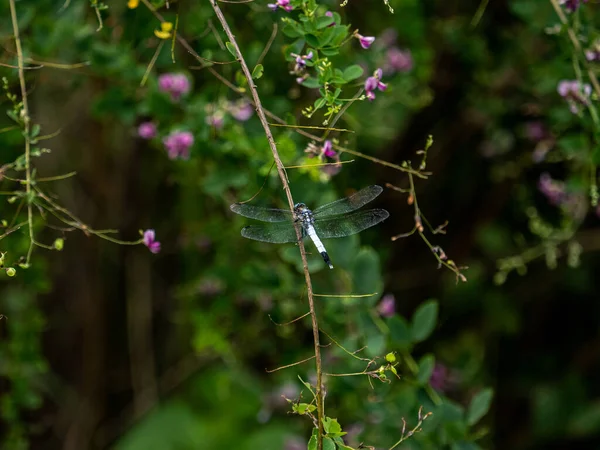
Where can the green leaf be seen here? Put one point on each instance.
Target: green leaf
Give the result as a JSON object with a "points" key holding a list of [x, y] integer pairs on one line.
{"points": [[399, 332], [312, 40], [323, 22], [303, 408], [35, 130], [330, 51], [312, 443], [426, 365], [328, 444], [231, 49], [366, 274], [258, 71], [311, 82], [332, 427], [340, 444], [424, 320], [353, 72], [479, 406], [319, 103]]}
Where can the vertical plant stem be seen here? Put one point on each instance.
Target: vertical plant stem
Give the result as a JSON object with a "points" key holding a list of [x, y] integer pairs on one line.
{"points": [[281, 170], [26, 126]]}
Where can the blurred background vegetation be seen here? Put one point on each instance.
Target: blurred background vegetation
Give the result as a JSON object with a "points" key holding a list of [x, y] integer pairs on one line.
{"points": [[110, 346]]}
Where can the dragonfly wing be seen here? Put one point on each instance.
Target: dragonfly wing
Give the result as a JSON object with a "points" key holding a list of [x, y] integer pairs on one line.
{"points": [[275, 233], [345, 225], [263, 214], [348, 204]]}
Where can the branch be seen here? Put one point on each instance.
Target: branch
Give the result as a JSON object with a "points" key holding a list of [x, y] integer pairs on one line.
{"points": [[26, 126], [283, 176]]}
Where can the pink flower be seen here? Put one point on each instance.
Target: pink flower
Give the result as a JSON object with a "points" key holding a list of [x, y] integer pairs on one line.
{"points": [[571, 5], [241, 110], [328, 150], [283, 4], [575, 93], [178, 144], [147, 130], [373, 83], [216, 120], [397, 60], [151, 242], [365, 41], [330, 14], [387, 305], [174, 84]]}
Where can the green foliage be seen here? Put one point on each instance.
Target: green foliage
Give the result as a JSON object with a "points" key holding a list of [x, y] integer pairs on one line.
{"points": [[424, 320]]}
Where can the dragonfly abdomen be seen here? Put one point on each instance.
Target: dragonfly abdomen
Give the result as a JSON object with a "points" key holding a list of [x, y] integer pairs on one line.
{"points": [[310, 230]]}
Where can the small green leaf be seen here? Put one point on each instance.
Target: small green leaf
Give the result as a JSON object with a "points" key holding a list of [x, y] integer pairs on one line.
{"points": [[328, 444], [303, 408], [479, 406], [390, 357], [319, 103], [312, 443], [311, 82], [258, 71], [312, 40], [330, 51], [426, 365], [353, 72], [323, 22], [231, 49], [332, 427], [399, 332], [35, 130], [424, 320]]}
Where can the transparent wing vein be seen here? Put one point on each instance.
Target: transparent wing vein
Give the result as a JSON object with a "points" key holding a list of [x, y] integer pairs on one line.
{"points": [[275, 233], [349, 204], [340, 226], [262, 214]]}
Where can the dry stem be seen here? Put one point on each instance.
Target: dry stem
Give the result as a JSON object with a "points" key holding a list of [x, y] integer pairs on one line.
{"points": [[283, 176]]}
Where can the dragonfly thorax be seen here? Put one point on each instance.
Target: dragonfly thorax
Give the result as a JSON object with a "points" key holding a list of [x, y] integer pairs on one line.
{"points": [[303, 214]]}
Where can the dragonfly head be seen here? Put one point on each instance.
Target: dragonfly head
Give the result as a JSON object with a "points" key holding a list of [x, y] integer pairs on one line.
{"points": [[299, 207]]}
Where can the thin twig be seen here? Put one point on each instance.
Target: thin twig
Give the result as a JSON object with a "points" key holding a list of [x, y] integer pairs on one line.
{"points": [[287, 366], [269, 43], [291, 321], [282, 175], [26, 126]]}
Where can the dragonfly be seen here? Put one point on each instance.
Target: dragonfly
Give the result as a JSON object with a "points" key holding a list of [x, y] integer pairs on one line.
{"points": [[332, 220]]}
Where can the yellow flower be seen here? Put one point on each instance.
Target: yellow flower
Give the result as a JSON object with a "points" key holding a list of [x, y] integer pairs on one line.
{"points": [[165, 30], [132, 4]]}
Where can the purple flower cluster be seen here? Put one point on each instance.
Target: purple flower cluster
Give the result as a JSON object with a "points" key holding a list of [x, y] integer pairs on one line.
{"points": [[557, 194], [571, 5], [151, 242], [554, 190], [374, 83], [283, 4], [178, 144], [174, 84], [325, 153], [301, 61], [241, 110], [575, 93], [397, 60]]}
